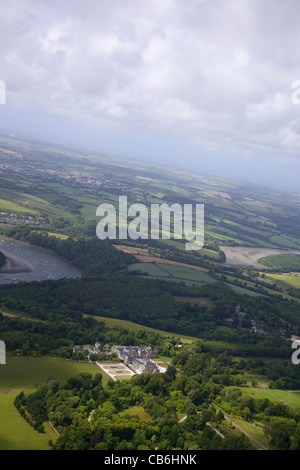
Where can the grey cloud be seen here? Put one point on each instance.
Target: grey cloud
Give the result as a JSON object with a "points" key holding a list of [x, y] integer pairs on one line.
{"points": [[218, 71]]}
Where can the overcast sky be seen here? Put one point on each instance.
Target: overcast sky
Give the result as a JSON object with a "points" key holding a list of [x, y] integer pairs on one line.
{"points": [[203, 84]]}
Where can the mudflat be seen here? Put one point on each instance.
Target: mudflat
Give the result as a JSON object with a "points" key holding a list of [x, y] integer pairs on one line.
{"points": [[249, 256], [15, 264]]}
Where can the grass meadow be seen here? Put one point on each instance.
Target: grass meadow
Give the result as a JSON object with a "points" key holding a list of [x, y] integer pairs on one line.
{"points": [[277, 396], [128, 325], [26, 374]]}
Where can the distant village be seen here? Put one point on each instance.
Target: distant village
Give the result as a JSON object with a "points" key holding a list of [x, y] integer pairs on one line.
{"points": [[7, 218], [75, 178]]}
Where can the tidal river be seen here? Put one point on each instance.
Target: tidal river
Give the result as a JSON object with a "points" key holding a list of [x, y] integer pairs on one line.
{"points": [[31, 263]]}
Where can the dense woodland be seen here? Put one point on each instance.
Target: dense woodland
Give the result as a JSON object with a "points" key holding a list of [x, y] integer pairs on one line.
{"points": [[145, 412], [108, 289]]}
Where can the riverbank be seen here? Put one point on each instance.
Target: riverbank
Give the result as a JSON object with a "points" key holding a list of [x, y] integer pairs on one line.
{"points": [[33, 263], [47, 250]]}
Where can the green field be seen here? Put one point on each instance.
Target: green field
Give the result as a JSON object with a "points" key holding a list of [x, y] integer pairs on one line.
{"points": [[283, 261], [243, 290], [16, 433], [277, 396], [189, 276], [138, 411], [25, 374], [286, 280], [12, 207], [172, 272], [116, 323], [16, 201], [58, 235], [88, 211], [28, 372], [148, 268], [211, 254], [286, 242]]}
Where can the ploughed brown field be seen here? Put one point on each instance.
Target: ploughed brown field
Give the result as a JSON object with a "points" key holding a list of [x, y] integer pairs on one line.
{"points": [[145, 257]]}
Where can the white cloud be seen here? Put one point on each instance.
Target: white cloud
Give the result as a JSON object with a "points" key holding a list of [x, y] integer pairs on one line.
{"points": [[219, 71]]}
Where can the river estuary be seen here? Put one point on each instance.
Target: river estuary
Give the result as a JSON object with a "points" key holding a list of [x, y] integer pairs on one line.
{"points": [[27, 263]]}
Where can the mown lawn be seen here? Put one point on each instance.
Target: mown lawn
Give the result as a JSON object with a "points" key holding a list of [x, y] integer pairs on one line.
{"points": [[277, 396], [15, 432], [138, 411], [27, 372]]}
